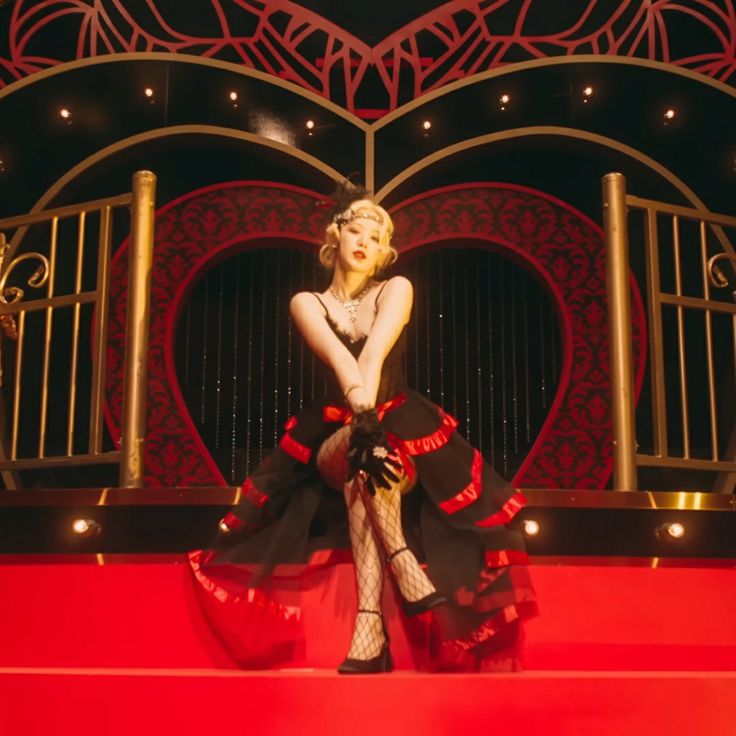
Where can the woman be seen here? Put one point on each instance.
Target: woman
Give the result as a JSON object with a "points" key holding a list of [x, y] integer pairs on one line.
{"points": [[375, 441]]}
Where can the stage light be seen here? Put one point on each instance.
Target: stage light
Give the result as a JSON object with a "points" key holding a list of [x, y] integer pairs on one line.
{"points": [[427, 125], [504, 99], [148, 92], [233, 96], [66, 114], [531, 527], [2, 166], [587, 93], [669, 115], [86, 527], [671, 531]]}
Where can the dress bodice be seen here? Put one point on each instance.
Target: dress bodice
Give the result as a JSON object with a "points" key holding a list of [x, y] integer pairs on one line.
{"points": [[392, 373]]}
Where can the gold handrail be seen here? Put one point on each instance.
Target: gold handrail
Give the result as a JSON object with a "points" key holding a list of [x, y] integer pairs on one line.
{"points": [[13, 321], [616, 205]]}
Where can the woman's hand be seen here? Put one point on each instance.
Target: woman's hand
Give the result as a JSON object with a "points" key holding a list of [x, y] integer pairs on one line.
{"points": [[370, 452]]}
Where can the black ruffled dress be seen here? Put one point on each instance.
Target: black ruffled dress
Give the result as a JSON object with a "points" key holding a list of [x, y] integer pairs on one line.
{"points": [[287, 522]]}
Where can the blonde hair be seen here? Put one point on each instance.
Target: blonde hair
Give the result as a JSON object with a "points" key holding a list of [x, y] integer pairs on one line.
{"points": [[328, 251]]}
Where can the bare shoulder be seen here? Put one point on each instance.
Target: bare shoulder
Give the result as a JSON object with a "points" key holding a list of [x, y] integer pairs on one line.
{"points": [[304, 302], [397, 287]]}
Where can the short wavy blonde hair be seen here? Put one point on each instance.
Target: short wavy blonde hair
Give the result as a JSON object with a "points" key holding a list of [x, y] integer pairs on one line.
{"points": [[332, 236]]}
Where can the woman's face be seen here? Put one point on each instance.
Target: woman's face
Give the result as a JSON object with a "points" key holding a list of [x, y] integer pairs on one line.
{"points": [[359, 248]]}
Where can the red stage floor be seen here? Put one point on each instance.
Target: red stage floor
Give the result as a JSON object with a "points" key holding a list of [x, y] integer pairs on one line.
{"points": [[182, 702], [123, 648]]}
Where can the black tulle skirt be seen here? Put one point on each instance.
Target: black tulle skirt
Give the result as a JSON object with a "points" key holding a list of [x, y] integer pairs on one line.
{"points": [[454, 520]]}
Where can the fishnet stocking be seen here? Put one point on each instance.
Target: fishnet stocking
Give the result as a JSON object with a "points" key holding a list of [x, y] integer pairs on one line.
{"points": [[368, 633], [385, 512]]}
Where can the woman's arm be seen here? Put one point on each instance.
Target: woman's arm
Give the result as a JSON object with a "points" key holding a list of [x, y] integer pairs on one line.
{"points": [[310, 319], [394, 310]]}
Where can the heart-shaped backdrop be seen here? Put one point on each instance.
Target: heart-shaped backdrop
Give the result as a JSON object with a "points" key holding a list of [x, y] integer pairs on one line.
{"points": [[560, 245]]}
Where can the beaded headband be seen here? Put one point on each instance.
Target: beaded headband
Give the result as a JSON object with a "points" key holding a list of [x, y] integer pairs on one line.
{"points": [[349, 215]]}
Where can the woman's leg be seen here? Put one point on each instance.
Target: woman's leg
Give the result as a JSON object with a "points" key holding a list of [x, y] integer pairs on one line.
{"points": [[368, 634], [385, 512]]}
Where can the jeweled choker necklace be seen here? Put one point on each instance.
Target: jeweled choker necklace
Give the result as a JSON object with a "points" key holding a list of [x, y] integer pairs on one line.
{"points": [[351, 306]]}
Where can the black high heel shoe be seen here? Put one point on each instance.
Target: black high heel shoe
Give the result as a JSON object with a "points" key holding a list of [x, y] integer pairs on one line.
{"points": [[414, 608], [381, 663]]}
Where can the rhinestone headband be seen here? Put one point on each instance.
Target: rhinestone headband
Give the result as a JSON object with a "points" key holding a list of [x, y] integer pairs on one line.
{"points": [[346, 217]]}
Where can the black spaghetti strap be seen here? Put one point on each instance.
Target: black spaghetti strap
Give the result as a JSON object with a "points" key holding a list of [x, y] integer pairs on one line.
{"points": [[327, 313], [378, 296]]}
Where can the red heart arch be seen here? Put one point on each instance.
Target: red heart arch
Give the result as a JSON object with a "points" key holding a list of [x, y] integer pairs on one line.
{"points": [[563, 247]]}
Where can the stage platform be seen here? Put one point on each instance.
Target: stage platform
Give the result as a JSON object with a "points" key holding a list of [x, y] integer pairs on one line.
{"points": [[119, 644]]}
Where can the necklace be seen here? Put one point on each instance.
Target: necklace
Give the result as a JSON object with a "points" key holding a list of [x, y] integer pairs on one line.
{"points": [[351, 306]]}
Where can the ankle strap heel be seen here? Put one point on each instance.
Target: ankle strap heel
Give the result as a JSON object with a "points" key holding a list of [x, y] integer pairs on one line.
{"points": [[414, 608], [380, 663]]}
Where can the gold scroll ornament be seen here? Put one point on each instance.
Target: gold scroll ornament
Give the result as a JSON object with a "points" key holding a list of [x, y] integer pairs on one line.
{"points": [[13, 294]]}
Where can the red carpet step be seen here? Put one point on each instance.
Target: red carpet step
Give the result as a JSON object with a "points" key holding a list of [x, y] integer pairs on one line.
{"points": [[141, 612], [144, 702]]}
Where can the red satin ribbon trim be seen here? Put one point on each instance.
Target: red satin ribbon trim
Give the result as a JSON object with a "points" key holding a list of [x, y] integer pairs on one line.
{"points": [[232, 522], [471, 492], [252, 494], [332, 413], [505, 513], [506, 557], [297, 450], [252, 596], [434, 441]]}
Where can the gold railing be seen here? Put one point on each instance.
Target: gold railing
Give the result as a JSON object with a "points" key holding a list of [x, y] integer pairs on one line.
{"points": [[14, 313], [617, 204]]}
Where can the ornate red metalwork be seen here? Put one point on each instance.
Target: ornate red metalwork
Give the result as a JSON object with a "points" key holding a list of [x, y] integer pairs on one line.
{"points": [[451, 42]]}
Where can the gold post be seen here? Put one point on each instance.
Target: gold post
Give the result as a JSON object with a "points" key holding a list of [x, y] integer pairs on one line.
{"points": [[682, 353], [709, 344], [75, 336], [100, 332], [619, 321], [48, 332], [656, 340], [17, 384], [136, 353]]}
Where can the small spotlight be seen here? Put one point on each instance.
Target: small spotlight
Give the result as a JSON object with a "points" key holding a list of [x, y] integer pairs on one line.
{"points": [[233, 96], [505, 99], [669, 115], [2, 166], [148, 92], [671, 531], [310, 124], [587, 93], [66, 114], [86, 527], [531, 527], [427, 125]]}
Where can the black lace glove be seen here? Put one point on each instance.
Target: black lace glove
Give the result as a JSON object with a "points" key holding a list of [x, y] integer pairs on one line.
{"points": [[370, 452]]}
